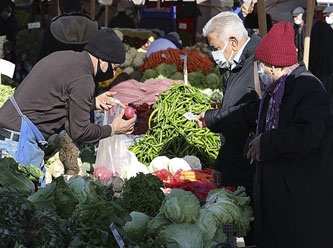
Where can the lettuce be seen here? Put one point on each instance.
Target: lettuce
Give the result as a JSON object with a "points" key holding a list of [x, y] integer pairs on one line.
{"points": [[231, 208], [181, 206], [184, 235], [136, 228]]}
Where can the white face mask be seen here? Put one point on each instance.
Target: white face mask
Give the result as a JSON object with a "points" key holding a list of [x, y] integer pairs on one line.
{"points": [[265, 78], [220, 59], [298, 22], [329, 20]]}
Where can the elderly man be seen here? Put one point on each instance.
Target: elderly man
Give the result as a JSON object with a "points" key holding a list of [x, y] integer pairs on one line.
{"points": [[233, 51]]}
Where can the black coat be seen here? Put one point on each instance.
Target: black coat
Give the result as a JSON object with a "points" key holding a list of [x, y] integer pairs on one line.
{"points": [[239, 88], [294, 181]]}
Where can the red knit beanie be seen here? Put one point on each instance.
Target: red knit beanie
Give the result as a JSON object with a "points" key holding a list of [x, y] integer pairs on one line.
{"points": [[277, 48]]}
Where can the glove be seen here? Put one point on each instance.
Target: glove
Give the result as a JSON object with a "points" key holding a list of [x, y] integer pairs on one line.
{"points": [[217, 178]]}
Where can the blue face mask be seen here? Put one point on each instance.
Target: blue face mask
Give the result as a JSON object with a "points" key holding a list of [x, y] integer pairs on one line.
{"points": [[221, 60], [265, 78]]}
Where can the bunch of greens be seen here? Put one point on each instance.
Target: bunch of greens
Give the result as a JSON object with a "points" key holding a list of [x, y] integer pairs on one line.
{"points": [[16, 176], [90, 224], [47, 229], [15, 214], [142, 193]]}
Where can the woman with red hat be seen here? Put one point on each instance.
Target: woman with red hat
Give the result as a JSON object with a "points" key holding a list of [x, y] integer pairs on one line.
{"points": [[292, 149]]}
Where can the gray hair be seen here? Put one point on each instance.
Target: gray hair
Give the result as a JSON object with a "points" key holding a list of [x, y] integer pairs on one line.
{"points": [[225, 25]]}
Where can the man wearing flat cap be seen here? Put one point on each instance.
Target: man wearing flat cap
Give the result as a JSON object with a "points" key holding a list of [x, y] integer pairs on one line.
{"points": [[328, 13], [299, 28], [321, 51], [59, 93]]}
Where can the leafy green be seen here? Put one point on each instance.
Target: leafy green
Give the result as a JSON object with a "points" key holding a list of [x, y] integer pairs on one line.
{"points": [[180, 206], [90, 224], [143, 194], [11, 176], [136, 228], [206, 223], [32, 172], [47, 229], [14, 216], [231, 208], [55, 196], [148, 74], [86, 190], [184, 235], [166, 70]]}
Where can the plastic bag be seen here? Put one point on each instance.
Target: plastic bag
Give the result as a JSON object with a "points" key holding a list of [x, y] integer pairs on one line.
{"points": [[113, 157]]}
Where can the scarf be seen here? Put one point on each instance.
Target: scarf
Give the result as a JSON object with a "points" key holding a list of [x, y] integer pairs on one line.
{"points": [[276, 92]]}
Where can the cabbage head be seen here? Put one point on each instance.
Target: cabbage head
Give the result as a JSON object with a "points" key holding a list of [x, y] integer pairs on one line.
{"points": [[136, 228], [157, 223], [180, 206], [184, 235], [207, 224]]}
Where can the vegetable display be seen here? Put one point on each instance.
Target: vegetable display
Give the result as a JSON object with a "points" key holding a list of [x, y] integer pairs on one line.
{"points": [[196, 60], [172, 135]]}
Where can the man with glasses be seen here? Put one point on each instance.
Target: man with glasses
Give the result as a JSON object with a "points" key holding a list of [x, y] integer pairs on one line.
{"points": [[59, 93]]}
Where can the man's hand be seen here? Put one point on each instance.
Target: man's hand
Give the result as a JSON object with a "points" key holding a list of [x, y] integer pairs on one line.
{"points": [[122, 126], [200, 119], [105, 101], [254, 149]]}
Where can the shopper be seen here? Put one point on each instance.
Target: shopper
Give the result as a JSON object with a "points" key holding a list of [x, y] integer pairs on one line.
{"points": [[299, 29], [292, 150], [58, 94], [69, 31], [251, 21], [321, 52], [233, 51], [8, 22]]}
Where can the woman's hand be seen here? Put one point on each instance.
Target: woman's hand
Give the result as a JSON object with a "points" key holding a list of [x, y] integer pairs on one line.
{"points": [[106, 101], [121, 126], [200, 119], [254, 149]]}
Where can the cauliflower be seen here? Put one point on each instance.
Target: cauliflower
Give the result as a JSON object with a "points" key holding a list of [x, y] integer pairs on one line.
{"points": [[193, 161], [176, 164], [159, 163]]}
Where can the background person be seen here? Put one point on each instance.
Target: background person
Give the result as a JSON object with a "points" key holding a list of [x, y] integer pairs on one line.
{"points": [[299, 28], [69, 31], [292, 149], [321, 52], [233, 52], [8, 22]]}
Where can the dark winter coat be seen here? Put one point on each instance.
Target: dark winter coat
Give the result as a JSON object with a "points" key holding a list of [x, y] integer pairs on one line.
{"points": [[321, 55], [293, 182], [239, 88], [67, 32]]}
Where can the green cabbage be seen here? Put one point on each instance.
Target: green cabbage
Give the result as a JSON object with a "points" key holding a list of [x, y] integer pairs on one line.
{"points": [[231, 208], [206, 223], [136, 228], [180, 206], [184, 235], [157, 223]]}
